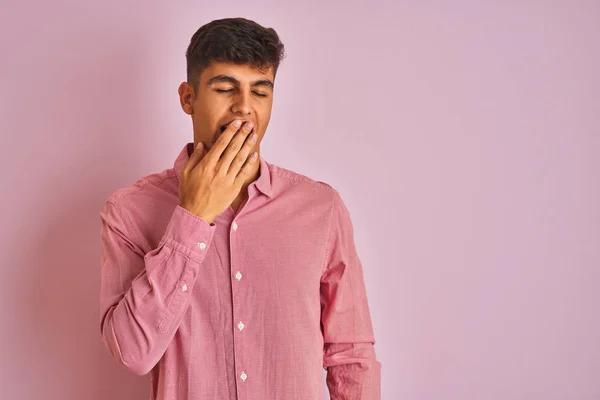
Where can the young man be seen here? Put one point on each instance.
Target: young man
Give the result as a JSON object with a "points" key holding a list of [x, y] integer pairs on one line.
{"points": [[228, 277]]}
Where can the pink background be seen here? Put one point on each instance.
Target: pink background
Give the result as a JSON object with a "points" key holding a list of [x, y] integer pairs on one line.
{"points": [[463, 136]]}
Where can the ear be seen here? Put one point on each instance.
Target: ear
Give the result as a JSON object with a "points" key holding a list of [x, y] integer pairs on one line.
{"points": [[186, 97]]}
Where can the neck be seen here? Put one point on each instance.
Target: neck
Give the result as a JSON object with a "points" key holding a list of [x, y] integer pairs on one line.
{"points": [[255, 173]]}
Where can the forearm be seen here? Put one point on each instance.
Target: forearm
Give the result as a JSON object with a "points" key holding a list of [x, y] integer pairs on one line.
{"points": [[140, 316], [353, 372]]}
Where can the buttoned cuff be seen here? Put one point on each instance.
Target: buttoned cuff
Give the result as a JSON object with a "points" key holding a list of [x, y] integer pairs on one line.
{"points": [[189, 234]]}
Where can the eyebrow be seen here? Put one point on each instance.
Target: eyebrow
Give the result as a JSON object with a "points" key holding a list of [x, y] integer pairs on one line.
{"points": [[232, 80]]}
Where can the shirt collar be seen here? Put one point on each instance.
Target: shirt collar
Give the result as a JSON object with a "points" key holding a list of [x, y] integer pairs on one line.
{"points": [[262, 183]]}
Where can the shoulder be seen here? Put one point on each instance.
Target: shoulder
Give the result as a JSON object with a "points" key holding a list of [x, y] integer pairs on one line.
{"points": [[144, 189], [286, 179]]}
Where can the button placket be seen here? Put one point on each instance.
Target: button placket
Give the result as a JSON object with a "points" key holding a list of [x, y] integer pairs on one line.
{"points": [[238, 276]]}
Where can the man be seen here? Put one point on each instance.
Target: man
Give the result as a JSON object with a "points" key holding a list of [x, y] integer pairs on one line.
{"points": [[228, 277]]}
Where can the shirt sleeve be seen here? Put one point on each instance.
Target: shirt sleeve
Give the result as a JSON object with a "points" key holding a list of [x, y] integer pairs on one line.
{"points": [[144, 296], [353, 371]]}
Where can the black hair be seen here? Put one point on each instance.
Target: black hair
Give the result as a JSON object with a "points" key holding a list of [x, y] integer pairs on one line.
{"points": [[232, 40]]}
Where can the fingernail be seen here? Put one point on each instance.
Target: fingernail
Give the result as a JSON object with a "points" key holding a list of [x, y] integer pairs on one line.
{"points": [[199, 145], [237, 123]]}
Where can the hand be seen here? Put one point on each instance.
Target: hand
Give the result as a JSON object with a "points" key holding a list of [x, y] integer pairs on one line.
{"points": [[210, 182]]}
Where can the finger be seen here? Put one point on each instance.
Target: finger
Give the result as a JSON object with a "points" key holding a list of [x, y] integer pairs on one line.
{"points": [[223, 141], [246, 170], [242, 155], [195, 157], [235, 146]]}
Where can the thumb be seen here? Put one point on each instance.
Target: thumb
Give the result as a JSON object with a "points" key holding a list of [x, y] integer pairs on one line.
{"points": [[196, 155]]}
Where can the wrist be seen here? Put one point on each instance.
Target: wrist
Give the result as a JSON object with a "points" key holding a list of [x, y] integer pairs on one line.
{"points": [[199, 213]]}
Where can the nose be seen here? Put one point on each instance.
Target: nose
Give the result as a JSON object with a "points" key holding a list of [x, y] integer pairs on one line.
{"points": [[241, 104]]}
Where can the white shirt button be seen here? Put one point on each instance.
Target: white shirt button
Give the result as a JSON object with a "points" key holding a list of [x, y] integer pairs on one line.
{"points": [[184, 287], [234, 226], [243, 376], [202, 245], [238, 276], [241, 325]]}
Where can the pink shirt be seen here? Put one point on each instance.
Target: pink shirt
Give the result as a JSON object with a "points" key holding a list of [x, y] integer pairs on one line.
{"points": [[250, 307]]}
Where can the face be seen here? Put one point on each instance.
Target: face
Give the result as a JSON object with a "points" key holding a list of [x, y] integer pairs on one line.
{"points": [[227, 92]]}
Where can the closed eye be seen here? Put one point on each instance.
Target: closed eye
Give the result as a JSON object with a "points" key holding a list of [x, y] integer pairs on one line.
{"points": [[259, 94]]}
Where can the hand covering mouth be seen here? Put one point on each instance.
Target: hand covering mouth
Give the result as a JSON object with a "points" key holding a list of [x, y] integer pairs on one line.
{"points": [[224, 126]]}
